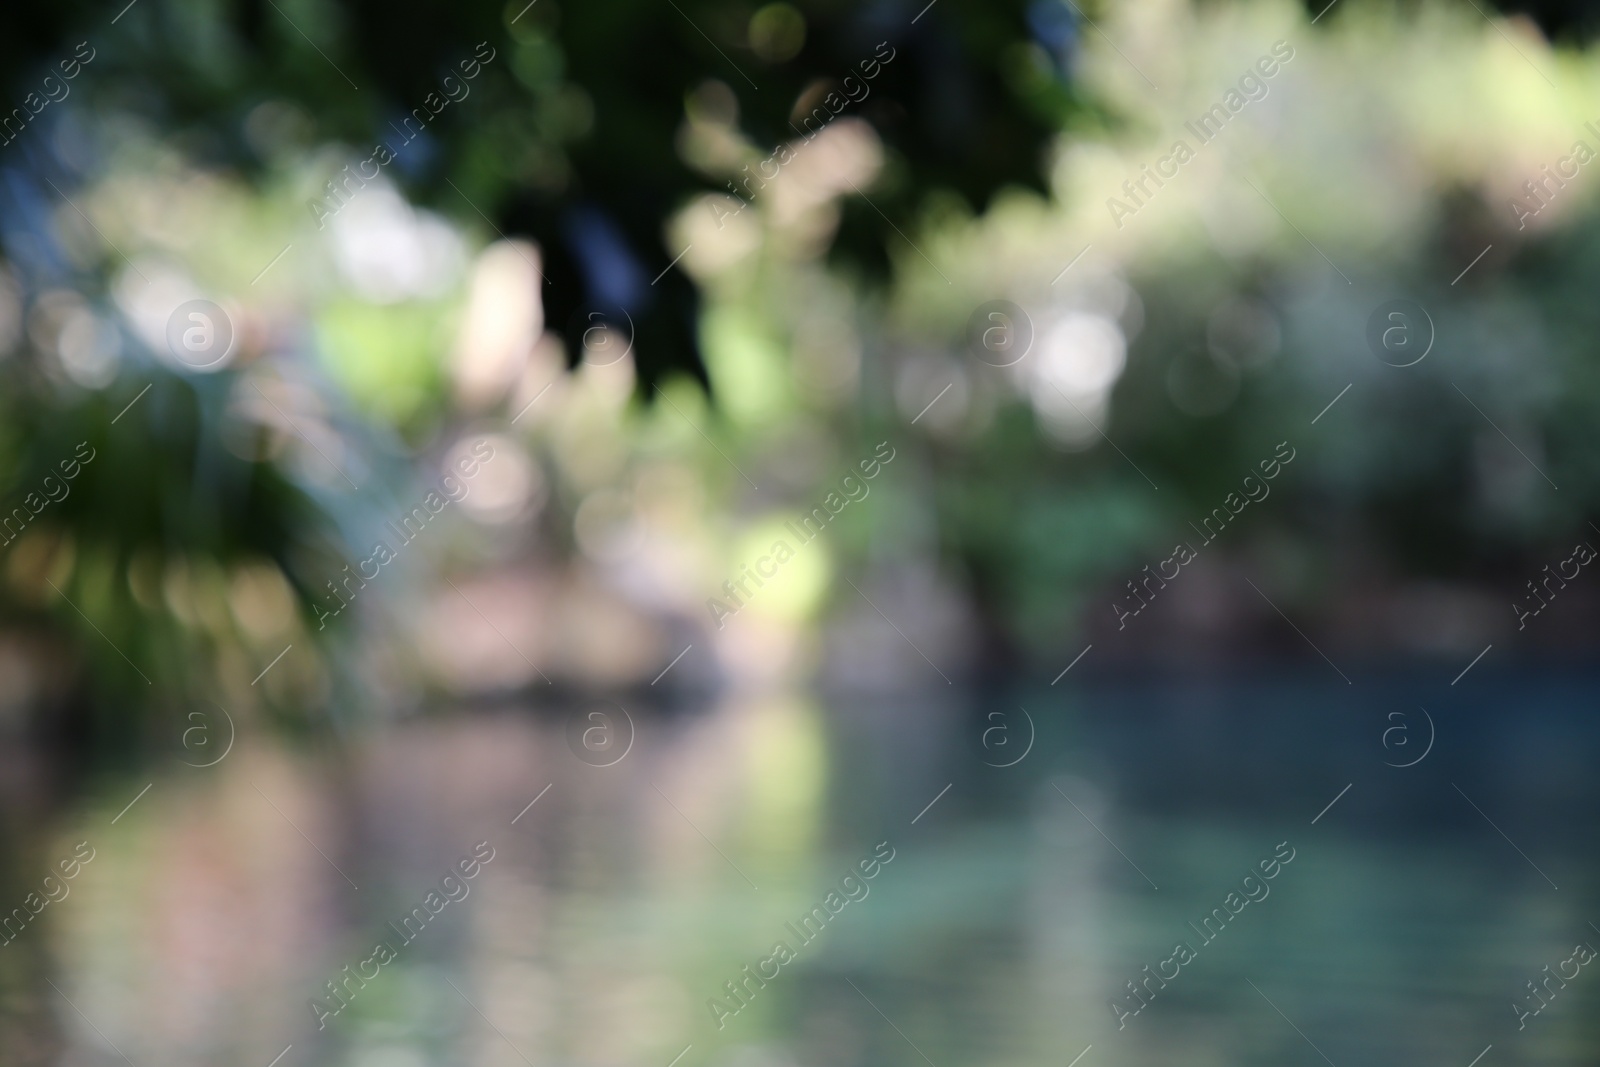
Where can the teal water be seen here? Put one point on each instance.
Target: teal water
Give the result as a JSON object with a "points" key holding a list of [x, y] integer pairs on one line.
{"points": [[1014, 906]]}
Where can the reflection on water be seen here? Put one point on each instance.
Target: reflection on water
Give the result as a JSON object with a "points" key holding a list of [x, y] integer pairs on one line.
{"points": [[709, 890]]}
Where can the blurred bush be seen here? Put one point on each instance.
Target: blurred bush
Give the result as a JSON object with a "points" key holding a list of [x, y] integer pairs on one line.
{"points": [[447, 303]]}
